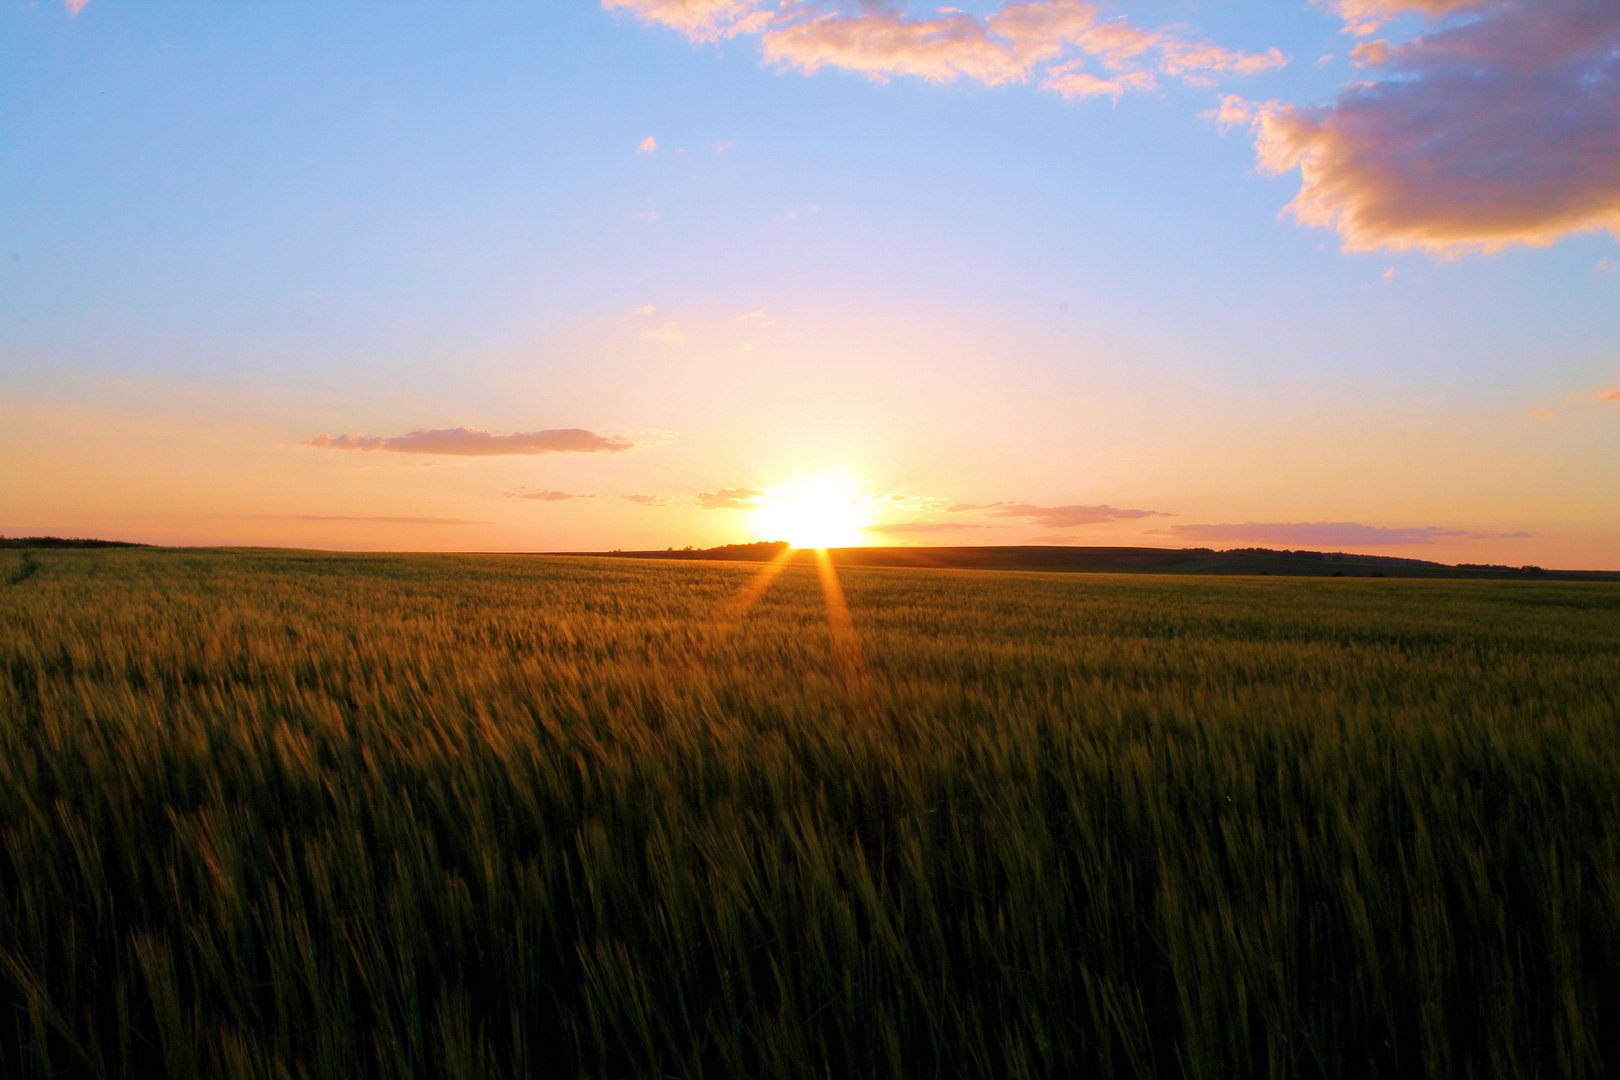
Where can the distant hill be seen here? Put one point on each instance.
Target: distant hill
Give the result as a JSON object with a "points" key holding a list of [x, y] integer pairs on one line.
{"points": [[62, 542], [1140, 560]]}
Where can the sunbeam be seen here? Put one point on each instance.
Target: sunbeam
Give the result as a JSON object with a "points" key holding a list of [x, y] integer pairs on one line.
{"points": [[846, 645], [739, 606]]}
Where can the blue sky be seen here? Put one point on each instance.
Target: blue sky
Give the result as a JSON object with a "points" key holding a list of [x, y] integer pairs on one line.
{"points": [[226, 229]]}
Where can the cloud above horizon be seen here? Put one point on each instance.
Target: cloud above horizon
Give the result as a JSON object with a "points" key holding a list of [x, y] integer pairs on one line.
{"points": [[471, 442], [1326, 534], [919, 527], [1498, 125], [1062, 44], [1061, 517], [542, 496], [731, 499]]}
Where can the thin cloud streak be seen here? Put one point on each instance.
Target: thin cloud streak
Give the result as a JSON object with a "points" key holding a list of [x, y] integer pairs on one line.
{"points": [[1061, 44], [731, 499], [1068, 517], [542, 496], [471, 442], [919, 527]]}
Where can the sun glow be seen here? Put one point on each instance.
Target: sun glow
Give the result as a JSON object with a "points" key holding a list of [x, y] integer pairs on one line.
{"points": [[820, 513]]}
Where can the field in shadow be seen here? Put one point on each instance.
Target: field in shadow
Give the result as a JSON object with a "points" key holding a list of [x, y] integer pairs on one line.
{"points": [[279, 814]]}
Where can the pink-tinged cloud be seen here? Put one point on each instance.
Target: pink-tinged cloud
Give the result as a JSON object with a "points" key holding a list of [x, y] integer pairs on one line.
{"points": [[700, 20], [1067, 517], [730, 499], [542, 496], [919, 527], [646, 500], [883, 45], [1325, 534], [1610, 395], [1051, 41], [1366, 16], [1498, 126], [470, 442], [75, 6]]}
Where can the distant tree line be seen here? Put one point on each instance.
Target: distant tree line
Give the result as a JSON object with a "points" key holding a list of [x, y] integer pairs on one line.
{"points": [[63, 542]]}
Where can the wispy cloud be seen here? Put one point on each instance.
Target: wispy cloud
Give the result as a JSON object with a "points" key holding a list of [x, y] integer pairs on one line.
{"points": [[470, 442], [1326, 534], [1067, 517], [731, 499], [1061, 44], [390, 520], [700, 20], [1609, 395], [542, 496], [1367, 16], [668, 332], [647, 500], [75, 6], [920, 527], [1498, 125]]}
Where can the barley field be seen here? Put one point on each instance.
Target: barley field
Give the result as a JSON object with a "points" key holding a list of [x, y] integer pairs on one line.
{"points": [[298, 815]]}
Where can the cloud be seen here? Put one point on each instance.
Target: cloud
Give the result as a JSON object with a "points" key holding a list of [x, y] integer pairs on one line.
{"points": [[1606, 265], [470, 442], [391, 520], [1543, 414], [542, 496], [644, 310], [646, 500], [1325, 534], [668, 332], [731, 499], [1610, 395], [1498, 125], [700, 20], [960, 508], [75, 6], [1059, 43], [649, 145], [920, 527], [1366, 16], [1066, 517]]}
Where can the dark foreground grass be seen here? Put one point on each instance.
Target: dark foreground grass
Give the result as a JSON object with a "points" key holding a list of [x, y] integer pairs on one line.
{"points": [[283, 815]]}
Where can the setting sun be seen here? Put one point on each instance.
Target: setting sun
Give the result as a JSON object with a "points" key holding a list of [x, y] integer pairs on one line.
{"points": [[820, 513]]}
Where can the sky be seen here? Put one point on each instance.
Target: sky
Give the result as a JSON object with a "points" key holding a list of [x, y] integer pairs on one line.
{"points": [[583, 275]]}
